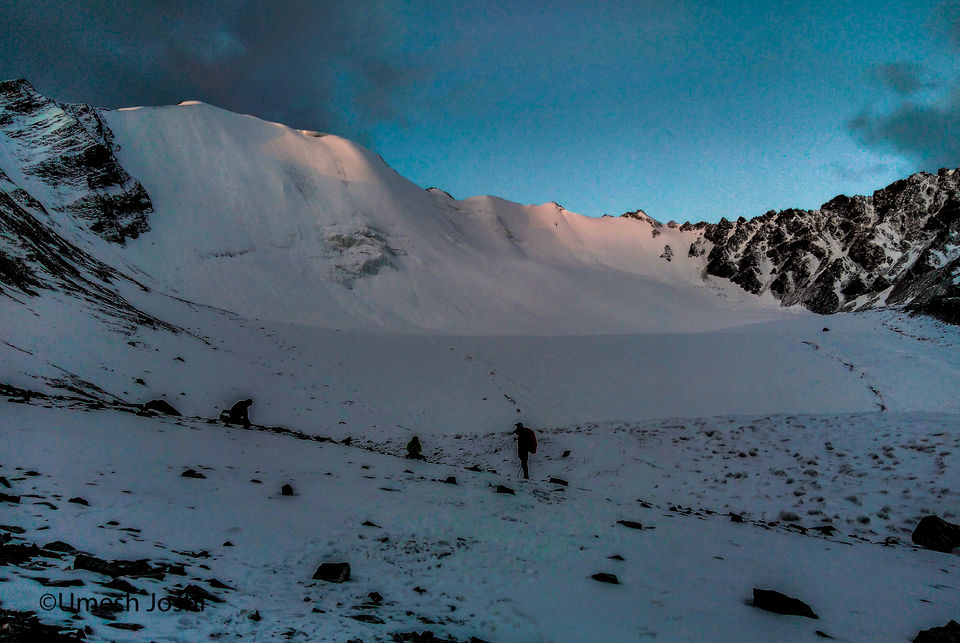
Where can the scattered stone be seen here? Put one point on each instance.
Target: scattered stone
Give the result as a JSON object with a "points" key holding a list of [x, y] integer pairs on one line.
{"points": [[286, 490], [949, 633], [367, 618], [559, 481], [192, 473], [18, 554], [131, 568], [13, 529], [604, 577], [77, 500], [123, 586], [9, 498], [333, 572], [773, 601], [630, 523], [199, 594], [25, 626], [504, 489], [161, 406], [937, 534]]}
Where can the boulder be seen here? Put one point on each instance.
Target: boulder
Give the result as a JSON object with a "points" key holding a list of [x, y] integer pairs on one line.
{"points": [[559, 481], [949, 633], [77, 500], [772, 601], [936, 533], [192, 473], [604, 577], [286, 490], [161, 406], [504, 489], [333, 572], [451, 480], [631, 524]]}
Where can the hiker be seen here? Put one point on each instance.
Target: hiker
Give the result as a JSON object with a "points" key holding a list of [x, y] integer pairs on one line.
{"points": [[526, 444], [415, 449], [237, 414]]}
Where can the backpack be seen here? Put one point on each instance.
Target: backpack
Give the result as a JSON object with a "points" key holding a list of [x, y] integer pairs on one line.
{"points": [[531, 440]]}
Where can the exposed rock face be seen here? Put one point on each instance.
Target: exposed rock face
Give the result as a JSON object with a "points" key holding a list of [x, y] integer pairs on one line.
{"points": [[62, 155], [900, 246]]}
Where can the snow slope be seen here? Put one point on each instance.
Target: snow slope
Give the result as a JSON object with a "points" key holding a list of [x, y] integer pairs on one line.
{"points": [[249, 211]]}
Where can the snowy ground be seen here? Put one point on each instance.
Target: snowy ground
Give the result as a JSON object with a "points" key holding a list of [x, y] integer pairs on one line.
{"points": [[501, 567]]}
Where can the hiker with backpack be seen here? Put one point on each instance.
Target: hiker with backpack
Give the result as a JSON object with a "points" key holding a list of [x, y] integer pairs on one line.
{"points": [[526, 444]]}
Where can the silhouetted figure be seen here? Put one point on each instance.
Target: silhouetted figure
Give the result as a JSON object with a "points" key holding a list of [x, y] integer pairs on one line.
{"points": [[526, 444], [415, 449], [238, 414]]}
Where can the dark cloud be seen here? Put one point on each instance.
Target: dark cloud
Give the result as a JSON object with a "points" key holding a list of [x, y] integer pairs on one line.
{"points": [[335, 66], [928, 133], [903, 78]]}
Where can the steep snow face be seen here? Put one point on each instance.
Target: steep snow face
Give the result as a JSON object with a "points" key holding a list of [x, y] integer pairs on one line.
{"points": [[286, 225]]}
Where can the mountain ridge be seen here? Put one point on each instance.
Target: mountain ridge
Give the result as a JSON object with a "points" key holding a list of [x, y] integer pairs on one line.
{"points": [[337, 221]]}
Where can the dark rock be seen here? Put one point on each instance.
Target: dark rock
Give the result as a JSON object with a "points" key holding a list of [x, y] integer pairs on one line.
{"points": [[131, 568], [559, 481], [14, 529], [123, 586], [18, 554], [773, 601], [604, 577], [367, 523], [199, 594], [823, 634], [949, 633], [59, 545], [333, 572], [131, 627], [213, 582], [375, 597], [192, 473], [419, 590], [161, 406], [25, 627], [5, 482], [367, 618], [937, 534], [826, 330], [827, 530], [227, 543], [504, 489], [286, 490], [630, 523], [616, 557], [77, 500], [566, 454], [9, 498], [451, 480], [255, 617], [735, 517]]}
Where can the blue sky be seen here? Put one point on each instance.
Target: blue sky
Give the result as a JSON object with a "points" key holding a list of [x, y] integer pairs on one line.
{"points": [[688, 110]]}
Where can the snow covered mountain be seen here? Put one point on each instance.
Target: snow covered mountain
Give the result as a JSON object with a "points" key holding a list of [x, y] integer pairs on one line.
{"points": [[225, 208], [698, 438]]}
